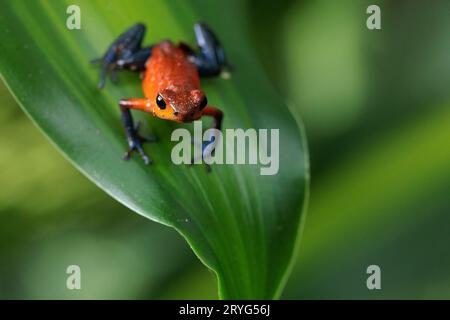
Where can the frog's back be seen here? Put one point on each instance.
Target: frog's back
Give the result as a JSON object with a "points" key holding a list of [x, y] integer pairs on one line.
{"points": [[169, 68]]}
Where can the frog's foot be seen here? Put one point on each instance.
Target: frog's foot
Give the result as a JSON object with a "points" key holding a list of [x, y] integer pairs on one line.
{"points": [[124, 53], [135, 142]]}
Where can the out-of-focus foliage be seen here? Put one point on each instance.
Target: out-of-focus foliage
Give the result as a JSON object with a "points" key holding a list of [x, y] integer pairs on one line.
{"points": [[377, 111], [380, 174]]}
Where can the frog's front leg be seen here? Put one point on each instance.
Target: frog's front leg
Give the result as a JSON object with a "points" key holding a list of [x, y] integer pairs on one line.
{"points": [[135, 141], [124, 53]]}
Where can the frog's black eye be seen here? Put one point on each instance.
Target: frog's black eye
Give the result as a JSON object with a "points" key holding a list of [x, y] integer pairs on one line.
{"points": [[204, 103], [160, 102]]}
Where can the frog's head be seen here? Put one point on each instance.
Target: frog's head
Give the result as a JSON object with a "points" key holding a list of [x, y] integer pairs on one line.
{"points": [[180, 105]]}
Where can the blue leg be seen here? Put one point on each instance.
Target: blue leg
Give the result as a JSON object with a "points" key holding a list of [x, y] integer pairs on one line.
{"points": [[210, 60], [135, 141], [124, 53]]}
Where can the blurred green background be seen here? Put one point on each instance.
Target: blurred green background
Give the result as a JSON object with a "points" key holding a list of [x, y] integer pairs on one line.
{"points": [[376, 106]]}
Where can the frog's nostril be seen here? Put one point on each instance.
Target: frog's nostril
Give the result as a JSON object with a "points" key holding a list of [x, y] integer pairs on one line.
{"points": [[175, 110]]}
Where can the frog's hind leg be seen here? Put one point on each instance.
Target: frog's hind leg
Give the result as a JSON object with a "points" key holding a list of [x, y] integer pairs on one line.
{"points": [[124, 53], [210, 60]]}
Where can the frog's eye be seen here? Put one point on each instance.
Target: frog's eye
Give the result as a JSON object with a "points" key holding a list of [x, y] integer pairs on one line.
{"points": [[204, 103], [160, 102]]}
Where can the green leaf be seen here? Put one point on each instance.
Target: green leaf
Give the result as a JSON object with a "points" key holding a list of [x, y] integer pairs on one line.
{"points": [[242, 225]]}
